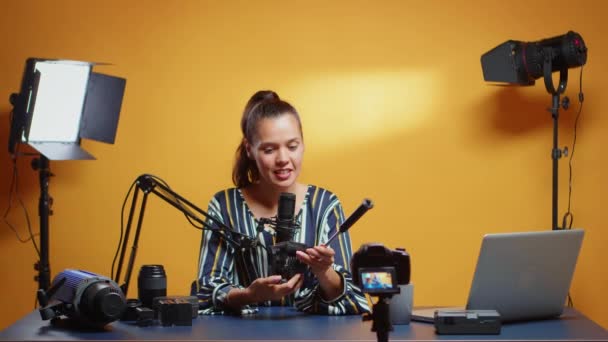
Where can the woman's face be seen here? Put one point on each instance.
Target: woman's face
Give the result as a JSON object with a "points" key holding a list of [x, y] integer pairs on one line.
{"points": [[278, 150]]}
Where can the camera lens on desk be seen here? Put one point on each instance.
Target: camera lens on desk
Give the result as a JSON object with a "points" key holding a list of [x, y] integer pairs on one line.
{"points": [[151, 282]]}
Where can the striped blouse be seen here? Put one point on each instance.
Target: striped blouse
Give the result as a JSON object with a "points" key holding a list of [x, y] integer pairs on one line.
{"points": [[319, 217]]}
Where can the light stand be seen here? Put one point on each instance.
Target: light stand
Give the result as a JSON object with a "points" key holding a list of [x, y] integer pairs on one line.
{"points": [[148, 184], [556, 152], [59, 103], [521, 63], [44, 209]]}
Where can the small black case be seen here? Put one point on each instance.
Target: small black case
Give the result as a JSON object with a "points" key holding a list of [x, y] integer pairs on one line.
{"points": [[467, 322]]}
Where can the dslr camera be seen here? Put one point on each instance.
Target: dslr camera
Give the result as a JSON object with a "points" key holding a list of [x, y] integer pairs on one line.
{"points": [[378, 270], [283, 261]]}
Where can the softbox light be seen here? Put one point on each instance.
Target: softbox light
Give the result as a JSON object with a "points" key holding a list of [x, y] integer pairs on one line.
{"points": [[61, 102]]}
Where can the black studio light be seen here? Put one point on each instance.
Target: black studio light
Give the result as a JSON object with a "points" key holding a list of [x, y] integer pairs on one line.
{"points": [[521, 63]]}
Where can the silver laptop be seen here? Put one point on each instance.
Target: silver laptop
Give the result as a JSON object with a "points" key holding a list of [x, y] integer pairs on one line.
{"points": [[523, 276]]}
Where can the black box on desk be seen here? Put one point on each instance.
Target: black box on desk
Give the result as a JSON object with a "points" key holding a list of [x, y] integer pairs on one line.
{"points": [[467, 322], [174, 311], [193, 300]]}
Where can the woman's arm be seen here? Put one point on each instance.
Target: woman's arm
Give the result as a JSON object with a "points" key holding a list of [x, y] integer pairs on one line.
{"points": [[321, 260], [263, 289], [329, 288]]}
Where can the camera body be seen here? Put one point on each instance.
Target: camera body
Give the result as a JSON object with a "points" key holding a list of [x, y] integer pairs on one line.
{"points": [[378, 270], [283, 261]]}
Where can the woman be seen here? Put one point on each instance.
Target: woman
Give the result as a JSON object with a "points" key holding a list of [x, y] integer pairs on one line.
{"points": [[268, 162]]}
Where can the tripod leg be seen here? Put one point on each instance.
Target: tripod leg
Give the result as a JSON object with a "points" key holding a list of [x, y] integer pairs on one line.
{"points": [[381, 319]]}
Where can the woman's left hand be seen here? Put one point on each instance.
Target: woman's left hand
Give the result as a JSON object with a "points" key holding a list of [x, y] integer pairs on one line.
{"points": [[319, 258]]}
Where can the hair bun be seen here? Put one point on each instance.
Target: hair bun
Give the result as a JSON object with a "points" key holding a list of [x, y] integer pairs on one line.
{"points": [[262, 96], [257, 98]]}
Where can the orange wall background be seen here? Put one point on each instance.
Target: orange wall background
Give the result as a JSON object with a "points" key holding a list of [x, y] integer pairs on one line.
{"points": [[394, 108]]}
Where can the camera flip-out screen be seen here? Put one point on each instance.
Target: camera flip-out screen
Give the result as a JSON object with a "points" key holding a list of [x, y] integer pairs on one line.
{"points": [[378, 280]]}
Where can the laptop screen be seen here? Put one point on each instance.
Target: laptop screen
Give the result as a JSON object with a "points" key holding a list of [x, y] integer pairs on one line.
{"points": [[525, 275]]}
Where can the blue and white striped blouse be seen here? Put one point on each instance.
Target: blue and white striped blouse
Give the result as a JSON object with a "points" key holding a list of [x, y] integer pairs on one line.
{"points": [[320, 216]]}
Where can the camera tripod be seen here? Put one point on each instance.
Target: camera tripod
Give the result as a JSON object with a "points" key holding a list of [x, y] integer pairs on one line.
{"points": [[380, 317]]}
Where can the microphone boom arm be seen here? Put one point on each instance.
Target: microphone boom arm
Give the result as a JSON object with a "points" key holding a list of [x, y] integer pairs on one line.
{"points": [[149, 184]]}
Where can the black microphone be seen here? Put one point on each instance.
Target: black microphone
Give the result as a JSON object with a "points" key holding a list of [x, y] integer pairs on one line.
{"points": [[354, 217], [282, 255], [285, 226]]}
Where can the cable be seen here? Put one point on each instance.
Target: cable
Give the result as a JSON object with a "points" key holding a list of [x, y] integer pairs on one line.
{"points": [[122, 214], [568, 216], [14, 188]]}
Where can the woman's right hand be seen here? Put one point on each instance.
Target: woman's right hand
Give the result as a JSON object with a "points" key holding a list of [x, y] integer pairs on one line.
{"points": [[263, 289], [271, 288]]}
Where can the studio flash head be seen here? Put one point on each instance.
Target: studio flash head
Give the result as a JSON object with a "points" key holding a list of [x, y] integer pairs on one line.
{"points": [[87, 298]]}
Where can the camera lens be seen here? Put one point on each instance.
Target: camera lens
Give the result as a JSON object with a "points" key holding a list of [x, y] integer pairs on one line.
{"points": [[151, 282]]}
